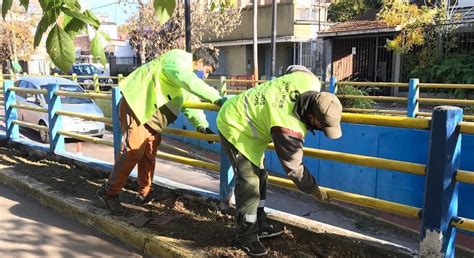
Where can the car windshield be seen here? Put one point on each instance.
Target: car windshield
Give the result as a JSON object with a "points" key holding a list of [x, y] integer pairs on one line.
{"points": [[85, 70], [71, 100]]}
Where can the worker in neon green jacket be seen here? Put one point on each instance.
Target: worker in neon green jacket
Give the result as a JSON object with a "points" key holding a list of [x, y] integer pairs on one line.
{"points": [[279, 111], [153, 96]]}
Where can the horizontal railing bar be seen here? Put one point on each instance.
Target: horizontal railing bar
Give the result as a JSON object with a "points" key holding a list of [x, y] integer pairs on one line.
{"points": [[463, 223], [466, 127], [373, 84], [246, 81], [446, 101], [234, 91], [188, 161], [379, 98], [361, 110], [86, 95], [37, 109], [86, 138], [196, 135], [445, 86], [85, 116], [200, 105], [30, 125], [380, 120], [33, 91], [465, 117], [465, 176], [362, 160], [362, 200]]}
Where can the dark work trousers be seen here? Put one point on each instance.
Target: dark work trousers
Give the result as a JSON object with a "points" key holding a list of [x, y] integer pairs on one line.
{"points": [[250, 193]]}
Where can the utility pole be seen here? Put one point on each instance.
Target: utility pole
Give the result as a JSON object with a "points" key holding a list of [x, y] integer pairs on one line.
{"points": [[274, 32], [187, 22], [255, 40]]}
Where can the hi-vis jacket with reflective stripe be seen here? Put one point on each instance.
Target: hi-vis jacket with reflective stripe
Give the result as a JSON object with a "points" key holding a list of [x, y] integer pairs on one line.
{"points": [[163, 81], [246, 120]]}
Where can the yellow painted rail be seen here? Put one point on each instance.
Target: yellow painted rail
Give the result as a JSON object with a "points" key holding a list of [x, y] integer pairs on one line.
{"points": [[361, 160], [85, 116], [465, 117], [465, 176], [86, 138], [393, 121], [196, 135], [33, 91], [188, 161], [32, 108], [463, 223], [355, 199], [383, 111], [445, 86], [446, 101], [373, 84], [234, 91], [30, 125], [466, 127], [84, 95], [378, 98], [198, 105]]}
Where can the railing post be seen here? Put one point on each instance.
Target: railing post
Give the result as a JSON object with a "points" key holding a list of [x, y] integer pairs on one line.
{"points": [[120, 78], [56, 143], [413, 95], [117, 131], [56, 75], [12, 130], [74, 77], [226, 177], [222, 85], [332, 85], [95, 77], [441, 189]]}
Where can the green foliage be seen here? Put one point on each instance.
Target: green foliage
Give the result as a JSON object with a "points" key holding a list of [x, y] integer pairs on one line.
{"points": [[414, 22], [6, 6], [97, 49], [453, 68], [164, 9], [346, 10], [354, 103], [60, 48]]}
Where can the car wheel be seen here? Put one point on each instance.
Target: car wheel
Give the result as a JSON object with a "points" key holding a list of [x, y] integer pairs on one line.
{"points": [[44, 135]]}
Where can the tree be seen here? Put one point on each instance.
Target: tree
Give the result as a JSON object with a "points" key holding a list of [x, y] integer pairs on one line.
{"points": [[63, 19], [416, 22], [17, 42], [344, 10], [150, 38]]}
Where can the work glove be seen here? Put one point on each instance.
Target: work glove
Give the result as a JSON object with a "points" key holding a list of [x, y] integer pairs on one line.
{"points": [[205, 130], [321, 195], [221, 101]]}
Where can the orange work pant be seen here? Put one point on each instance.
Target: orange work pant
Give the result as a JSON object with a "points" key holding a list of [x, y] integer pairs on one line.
{"points": [[139, 146]]}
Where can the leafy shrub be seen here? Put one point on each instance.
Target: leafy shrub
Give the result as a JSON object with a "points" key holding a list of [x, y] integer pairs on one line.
{"points": [[354, 103]]}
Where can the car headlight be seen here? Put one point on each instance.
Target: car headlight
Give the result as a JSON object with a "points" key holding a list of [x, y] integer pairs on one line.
{"points": [[110, 81], [88, 81]]}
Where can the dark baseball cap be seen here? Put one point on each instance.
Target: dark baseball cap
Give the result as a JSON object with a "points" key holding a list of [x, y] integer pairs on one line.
{"points": [[328, 110]]}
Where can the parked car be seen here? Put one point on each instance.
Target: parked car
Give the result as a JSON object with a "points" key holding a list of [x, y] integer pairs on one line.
{"points": [[72, 104], [83, 70]]}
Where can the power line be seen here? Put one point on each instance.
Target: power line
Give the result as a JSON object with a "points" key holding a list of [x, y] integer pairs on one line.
{"points": [[102, 6]]}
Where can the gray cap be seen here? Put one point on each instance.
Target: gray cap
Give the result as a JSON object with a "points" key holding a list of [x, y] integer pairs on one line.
{"points": [[328, 110]]}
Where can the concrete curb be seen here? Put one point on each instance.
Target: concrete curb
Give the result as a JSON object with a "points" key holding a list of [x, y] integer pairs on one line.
{"points": [[141, 239]]}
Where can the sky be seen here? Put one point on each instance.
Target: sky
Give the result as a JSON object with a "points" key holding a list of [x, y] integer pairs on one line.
{"points": [[118, 13]]}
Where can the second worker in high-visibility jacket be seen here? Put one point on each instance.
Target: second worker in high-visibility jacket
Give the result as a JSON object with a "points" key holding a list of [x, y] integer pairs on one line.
{"points": [[279, 111]]}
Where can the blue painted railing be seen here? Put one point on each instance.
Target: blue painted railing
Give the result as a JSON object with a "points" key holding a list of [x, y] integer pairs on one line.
{"points": [[443, 159]]}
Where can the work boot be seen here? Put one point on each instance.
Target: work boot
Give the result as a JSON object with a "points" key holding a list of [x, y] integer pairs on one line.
{"points": [[254, 249], [142, 200], [111, 202], [267, 230]]}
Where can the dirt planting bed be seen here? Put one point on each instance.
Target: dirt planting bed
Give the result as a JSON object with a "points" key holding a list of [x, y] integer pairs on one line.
{"points": [[177, 214]]}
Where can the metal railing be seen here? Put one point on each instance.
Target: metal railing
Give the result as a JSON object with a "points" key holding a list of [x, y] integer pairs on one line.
{"points": [[57, 144]]}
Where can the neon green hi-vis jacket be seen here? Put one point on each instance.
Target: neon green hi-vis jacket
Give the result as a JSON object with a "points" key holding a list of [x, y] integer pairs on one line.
{"points": [[168, 80]]}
